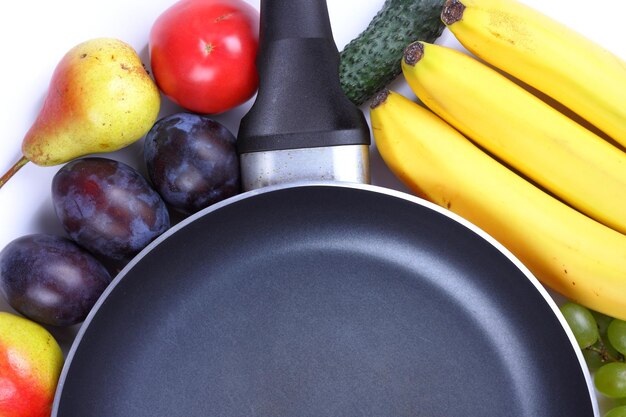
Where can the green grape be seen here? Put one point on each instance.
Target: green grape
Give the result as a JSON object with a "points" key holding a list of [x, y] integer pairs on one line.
{"points": [[593, 359], [582, 323], [610, 380], [617, 335], [603, 322], [617, 412]]}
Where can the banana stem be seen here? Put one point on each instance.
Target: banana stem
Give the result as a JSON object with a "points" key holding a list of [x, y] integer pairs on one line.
{"points": [[19, 164], [452, 12], [379, 98], [413, 53]]}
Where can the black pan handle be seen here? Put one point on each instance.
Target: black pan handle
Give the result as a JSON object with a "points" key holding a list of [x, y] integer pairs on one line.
{"points": [[300, 103], [289, 19]]}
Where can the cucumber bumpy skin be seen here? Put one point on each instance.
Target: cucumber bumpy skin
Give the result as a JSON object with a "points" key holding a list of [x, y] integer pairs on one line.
{"points": [[372, 60]]}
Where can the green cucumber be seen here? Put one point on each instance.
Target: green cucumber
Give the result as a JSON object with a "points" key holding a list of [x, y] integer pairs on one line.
{"points": [[372, 60]]}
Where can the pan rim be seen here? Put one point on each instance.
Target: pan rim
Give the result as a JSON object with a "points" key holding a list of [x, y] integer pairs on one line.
{"points": [[335, 184]]}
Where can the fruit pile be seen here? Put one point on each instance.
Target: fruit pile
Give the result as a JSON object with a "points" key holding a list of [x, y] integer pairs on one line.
{"points": [[546, 183], [100, 99], [528, 145]]}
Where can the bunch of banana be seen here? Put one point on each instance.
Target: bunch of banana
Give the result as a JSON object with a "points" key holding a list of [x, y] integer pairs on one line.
{"points": [[548, 189], [523, 131], [566, 250]]}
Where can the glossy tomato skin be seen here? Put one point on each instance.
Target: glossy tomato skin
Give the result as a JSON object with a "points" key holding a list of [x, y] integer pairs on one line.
{"points": [[203, 53]]}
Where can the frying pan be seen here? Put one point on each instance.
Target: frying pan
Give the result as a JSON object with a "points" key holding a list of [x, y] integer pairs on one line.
{"points": [[321, 297]]}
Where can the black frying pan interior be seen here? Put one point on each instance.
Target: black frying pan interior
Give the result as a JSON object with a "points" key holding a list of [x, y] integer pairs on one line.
{"points": [[323, 301]]}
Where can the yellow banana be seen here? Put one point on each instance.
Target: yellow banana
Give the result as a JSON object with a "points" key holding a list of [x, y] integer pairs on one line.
{"points": [[577, 166], [566, 250], [547, 55]]}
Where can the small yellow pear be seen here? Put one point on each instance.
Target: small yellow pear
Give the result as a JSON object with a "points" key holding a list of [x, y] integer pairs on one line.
{"points": [[100, 99], [30, 365]]}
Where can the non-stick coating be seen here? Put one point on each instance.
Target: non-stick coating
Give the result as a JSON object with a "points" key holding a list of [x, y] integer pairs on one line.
{"points": [[323, 301]]}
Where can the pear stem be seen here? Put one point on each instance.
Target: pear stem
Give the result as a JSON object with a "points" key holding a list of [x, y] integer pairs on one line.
{"points": [[19, 164]]}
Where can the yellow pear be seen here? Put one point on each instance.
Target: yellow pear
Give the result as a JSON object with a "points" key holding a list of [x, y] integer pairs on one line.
{"points": [[100, 99], [30, 365]]}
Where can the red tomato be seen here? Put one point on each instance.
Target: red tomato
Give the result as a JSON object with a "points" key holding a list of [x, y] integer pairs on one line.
{"points": [[203, 53]]}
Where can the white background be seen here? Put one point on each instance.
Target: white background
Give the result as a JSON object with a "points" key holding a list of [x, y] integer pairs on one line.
{"points": [[34, 35]]}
